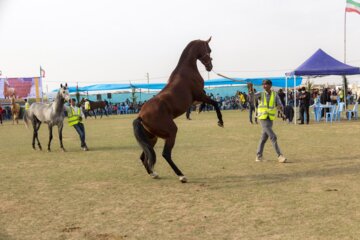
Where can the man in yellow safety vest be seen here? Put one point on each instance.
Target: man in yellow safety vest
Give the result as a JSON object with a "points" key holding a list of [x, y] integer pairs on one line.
{"points": [[27, 105], [87, 108], [75, 116], [268, 101]]}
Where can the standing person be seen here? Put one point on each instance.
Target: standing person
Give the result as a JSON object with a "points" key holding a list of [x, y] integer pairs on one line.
{"points": [[75, 116], [268, 101], [87, 108], [304, 105], [188, 113], [252, 102], [281, 95], [324, 98], [242, 101], [27, 105]]}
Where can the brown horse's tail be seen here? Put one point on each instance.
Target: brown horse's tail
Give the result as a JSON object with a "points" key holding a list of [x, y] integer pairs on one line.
{"points": [[144, 142]]}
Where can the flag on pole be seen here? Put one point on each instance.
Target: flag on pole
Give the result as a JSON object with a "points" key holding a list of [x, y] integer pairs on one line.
{"points": [[352, 6], [42, 72]]}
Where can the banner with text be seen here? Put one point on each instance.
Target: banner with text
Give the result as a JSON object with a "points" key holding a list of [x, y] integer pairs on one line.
{"points": [[21, 87]]}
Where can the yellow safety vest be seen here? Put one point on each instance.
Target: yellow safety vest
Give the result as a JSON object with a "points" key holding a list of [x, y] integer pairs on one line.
{"points": [[73, 118], [87, 105], [341, 94], [266, 109], [242, 98], [27, 106]]}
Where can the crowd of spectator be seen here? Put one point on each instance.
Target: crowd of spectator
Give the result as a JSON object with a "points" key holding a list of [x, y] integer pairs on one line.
{"points": [[240, 100]]}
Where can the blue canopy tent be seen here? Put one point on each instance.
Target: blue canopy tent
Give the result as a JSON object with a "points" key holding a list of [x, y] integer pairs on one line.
{"points": [[276, 81], [322, 64]]}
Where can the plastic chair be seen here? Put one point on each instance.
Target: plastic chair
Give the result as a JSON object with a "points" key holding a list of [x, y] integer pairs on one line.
{"points": [[355, 111], [339, 110], [331, 115]]}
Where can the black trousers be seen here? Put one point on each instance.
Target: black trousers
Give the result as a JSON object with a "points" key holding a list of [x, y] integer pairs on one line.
{"points": [[188, 113], [304, 109]]}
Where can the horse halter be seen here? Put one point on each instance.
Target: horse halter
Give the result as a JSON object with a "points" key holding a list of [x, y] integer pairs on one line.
{"points": [[64, 92]]}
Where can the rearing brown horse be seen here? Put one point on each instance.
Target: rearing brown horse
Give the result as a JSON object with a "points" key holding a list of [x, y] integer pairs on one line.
{"points": [[184, 87]]}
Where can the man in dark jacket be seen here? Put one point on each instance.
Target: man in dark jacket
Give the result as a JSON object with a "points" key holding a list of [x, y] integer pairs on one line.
{"points": [[304, 105]]}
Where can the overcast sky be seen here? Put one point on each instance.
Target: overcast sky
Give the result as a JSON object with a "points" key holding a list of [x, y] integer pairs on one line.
{"points": [[113, 41]]}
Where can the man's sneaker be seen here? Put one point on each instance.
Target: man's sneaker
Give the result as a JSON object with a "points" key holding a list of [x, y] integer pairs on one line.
{"points": [[258, 159], [282, 159]]}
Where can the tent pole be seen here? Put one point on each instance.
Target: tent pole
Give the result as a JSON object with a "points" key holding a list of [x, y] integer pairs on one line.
{"points": [[345, 38], [295, 99], [286, 92], [344, 77], [345, 90]]}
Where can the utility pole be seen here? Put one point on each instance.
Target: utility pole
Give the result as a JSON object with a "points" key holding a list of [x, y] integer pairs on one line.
{"points": [[47, 93], [148, 80], [77, 93], [344, 76]]}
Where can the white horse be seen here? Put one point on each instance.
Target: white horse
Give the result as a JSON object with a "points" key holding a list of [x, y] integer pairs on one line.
{"points": [[51, 114]]}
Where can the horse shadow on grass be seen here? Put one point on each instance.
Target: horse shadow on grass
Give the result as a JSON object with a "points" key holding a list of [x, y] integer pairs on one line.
{"points": [[273, 178], [112, 148]]}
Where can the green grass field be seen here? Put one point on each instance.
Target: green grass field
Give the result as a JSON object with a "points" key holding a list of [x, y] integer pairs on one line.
{"points": [[106, 194]]}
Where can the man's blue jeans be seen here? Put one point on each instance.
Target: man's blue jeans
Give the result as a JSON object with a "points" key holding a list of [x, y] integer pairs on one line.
{"points": [[81, 131]]}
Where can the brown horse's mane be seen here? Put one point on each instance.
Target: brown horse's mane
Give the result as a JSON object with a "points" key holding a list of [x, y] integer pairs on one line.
{"points": [[186, 51], [185, 55]]}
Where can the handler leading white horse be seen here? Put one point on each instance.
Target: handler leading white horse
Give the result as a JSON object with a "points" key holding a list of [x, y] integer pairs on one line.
{"points": [[52, 114]]}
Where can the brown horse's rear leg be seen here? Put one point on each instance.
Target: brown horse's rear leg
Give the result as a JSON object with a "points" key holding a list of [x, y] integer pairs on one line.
{"points": [[144, 161], [146, 142], [149, 165], [169, 144]]}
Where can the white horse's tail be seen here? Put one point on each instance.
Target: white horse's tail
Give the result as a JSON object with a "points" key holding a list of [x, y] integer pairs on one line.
{"points": [[26, 119]]}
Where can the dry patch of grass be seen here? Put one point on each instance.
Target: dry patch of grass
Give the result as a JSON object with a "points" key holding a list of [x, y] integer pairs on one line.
{"points": [[106, 194]]}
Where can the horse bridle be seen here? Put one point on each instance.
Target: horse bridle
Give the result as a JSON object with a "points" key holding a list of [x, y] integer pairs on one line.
{"points": [[202, 59], [206, 59]]}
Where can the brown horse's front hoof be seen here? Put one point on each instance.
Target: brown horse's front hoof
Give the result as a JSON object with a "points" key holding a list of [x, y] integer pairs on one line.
{"points": [[220, 124], [63, 150], [183, 179]]}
